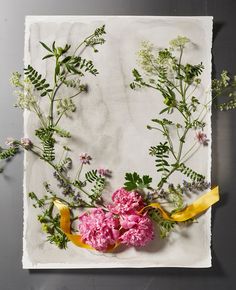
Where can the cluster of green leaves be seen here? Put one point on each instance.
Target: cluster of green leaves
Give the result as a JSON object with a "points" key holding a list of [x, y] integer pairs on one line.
{"points": [[164, 226], [50, 222], [98, 183], [37, 81], [134, 182], [190, 173], [225, 87], [6, 153], [161, 153]]}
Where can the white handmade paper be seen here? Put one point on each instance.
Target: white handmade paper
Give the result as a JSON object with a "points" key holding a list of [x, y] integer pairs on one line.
{"points": [[110, 124]]}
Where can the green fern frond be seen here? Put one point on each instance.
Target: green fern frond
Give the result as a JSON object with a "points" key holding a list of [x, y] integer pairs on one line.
{"points": [[36, 79], [98, 182], [8, 153], [161, 152], [91, 176], [190, 173], [48, 142], [76, 64], [62, 132]]}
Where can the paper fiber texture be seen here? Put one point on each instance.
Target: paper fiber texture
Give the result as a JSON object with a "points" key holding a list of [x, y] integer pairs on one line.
{"points": [[110, 124]]}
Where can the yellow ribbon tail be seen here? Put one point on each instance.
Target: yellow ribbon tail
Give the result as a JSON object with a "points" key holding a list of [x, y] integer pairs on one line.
{"points": [[199, 206], [65, 226]]}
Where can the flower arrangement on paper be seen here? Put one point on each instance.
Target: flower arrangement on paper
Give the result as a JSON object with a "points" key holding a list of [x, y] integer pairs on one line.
{"points": [[137, 206]]}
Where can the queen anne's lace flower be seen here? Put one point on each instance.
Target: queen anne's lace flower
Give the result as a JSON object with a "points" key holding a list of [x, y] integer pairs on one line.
{"points": [[125, 202], [139, 230], [99, 229]]}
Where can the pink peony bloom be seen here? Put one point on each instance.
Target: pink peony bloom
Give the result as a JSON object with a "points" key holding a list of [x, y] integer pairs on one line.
{"points": [[26, 142], [202, 138], [125, 202], [99, 229], [139, 230], [85, 158]]}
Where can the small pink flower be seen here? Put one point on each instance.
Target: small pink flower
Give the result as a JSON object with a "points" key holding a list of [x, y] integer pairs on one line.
{"points": [[99, 229], [11, 142], [26, 142], [105, 172], [125, 202], [202, 138], [139, 230], [85, 158]]}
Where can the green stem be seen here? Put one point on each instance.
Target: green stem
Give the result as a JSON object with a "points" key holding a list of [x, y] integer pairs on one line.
{"points": [[51, 112], [190, 149], [79, 172]]}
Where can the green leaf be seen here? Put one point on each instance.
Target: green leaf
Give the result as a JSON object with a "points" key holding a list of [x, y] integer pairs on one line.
{"points": [[36, 79], [134, 181], [45, 46], [61, 132], [47, 56], [66, 59], [164, 110], [8, 153]]}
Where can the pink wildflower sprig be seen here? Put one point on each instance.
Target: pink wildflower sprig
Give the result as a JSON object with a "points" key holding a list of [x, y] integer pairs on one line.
{"points": [[26, 143], [85, 158], [202, 138]]}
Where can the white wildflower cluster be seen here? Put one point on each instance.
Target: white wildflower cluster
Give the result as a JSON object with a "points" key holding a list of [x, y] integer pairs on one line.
{"points": [[179, 42], [24, 92]]}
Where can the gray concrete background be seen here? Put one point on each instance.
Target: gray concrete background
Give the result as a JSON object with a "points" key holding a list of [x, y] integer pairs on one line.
{"points": [[222, 274]]}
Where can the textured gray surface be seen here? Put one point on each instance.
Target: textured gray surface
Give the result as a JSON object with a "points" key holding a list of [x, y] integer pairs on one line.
{"points": [[222, 275]]}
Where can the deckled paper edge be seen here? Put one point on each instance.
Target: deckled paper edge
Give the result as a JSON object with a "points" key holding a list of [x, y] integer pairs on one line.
{"points": [[26, 263], [210, 154], [25, 257]]}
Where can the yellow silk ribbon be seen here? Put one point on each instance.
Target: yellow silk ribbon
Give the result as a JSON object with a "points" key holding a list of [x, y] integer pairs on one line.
{"points": [[197, 207], [65, 226], [192, 210]]}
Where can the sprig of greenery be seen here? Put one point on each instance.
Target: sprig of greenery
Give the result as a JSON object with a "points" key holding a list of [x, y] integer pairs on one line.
{"points": [[98, 182], [225, 87], [165, 72], [7, 153], [164, 226], [69, 69]]}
